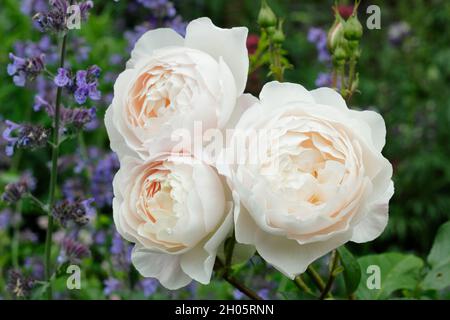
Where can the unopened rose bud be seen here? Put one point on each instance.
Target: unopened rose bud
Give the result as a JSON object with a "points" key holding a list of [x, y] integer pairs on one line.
{"points": [[335, 34], [278, 37], [353, 30], [266, 17], [339, 56]]}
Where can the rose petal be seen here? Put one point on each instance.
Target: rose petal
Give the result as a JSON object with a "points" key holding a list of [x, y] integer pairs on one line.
{"points": [[230, 44]]}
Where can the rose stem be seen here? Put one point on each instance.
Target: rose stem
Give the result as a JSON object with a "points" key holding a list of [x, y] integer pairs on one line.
{"points": [[302, 285], [53, 175], [316, 278], [333, 265], [236, 283]]}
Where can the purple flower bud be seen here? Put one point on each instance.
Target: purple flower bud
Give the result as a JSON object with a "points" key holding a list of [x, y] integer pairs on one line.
{"points": [[77, 211], [14, 191], [19, 286], [72, 251], [24, 136], [21, 69]]}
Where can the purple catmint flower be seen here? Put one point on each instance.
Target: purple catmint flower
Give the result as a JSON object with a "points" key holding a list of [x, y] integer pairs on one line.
{"points": [[77, 211], [149, 286], [62, 79], [264, 293], [160, 8], [77, 117], [5, 219], [112, 285], [54, 19], [318, 37], [73, 189], [40, 103], [100, 237], [237, 294], [19, 286], [28, 235], [323, 80], [24, 136], [25, 68], [398, 32], [177, 24], [85, 85], [29, 7], [36, 266], [121, 252], [102, 178], [14, 191], [72, 251]]}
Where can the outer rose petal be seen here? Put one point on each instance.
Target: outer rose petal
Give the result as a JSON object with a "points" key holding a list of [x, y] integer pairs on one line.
{"points": [[290, 257], [244, 102], [276, 94], [375, 221], [166, 268], [117, 142], [330, 97], [376, 124], [198, 263], [230, 44], [244, 226], [151, 40]]}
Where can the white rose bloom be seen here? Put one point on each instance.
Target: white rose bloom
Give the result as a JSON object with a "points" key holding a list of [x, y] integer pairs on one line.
{"points": [[323, 183], [176, 213], [171, 82]]}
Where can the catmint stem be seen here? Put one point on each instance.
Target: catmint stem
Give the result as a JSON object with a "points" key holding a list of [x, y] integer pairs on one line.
{"points": [[53, 176], [332, 276]]}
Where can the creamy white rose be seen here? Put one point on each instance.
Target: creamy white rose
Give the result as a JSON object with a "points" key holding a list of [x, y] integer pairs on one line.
{"points": [[172, 82], [322, 180], [176, 213]]}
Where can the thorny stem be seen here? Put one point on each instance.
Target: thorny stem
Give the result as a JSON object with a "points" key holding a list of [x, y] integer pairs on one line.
{"points": [[53, 175], [236, 283], [332, 276]]}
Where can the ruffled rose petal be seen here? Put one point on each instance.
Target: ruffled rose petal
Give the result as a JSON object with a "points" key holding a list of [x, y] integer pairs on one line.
{"points": [[166, 268], [276, 94], [230, 44], [198, 263], [375, 221], [329, 97], [151, 40], [290, 257]]}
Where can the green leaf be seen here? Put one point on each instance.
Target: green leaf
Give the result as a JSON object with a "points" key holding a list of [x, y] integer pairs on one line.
{"points": [[439, 259], [396, 270], [352, 270]]}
